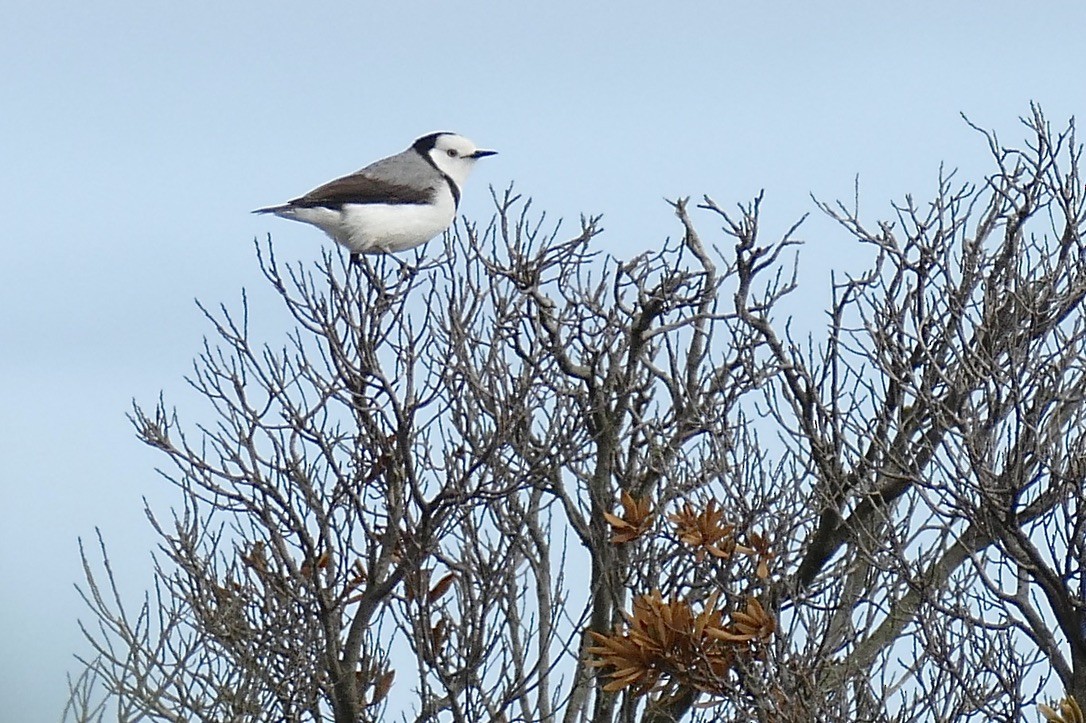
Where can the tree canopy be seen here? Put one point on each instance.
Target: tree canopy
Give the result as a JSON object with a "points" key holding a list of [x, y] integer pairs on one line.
{"points": [[519, 480]]}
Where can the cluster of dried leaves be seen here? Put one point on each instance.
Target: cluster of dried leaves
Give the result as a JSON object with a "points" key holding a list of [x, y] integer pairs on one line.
{"points": [[702, 529], [664, 644]]}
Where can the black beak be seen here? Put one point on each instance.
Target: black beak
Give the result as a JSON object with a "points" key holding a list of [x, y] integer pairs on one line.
{"points": [[483, 154]]}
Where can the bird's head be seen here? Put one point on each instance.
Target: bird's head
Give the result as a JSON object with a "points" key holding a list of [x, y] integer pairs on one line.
{"points": [[452, 154]]}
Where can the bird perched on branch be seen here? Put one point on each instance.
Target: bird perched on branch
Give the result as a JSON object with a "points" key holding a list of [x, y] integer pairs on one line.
{"points": [[395, 203]]}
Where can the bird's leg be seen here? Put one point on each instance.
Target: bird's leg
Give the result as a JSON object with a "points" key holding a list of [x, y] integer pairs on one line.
{"points": [[406, 269], [356, 258]]}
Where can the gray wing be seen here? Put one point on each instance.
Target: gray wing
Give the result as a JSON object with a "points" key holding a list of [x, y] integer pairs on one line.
{"points": [[401, 179]]}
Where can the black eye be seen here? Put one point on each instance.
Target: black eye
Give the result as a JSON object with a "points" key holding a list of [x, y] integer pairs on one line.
{"points": [[452, 153]]}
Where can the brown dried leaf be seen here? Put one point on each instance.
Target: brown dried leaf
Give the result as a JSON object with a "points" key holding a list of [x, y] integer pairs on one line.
{"points": [[256, 558], [382, 686], [437, 633], [637, 518], [1068, 711], [440, 588]]}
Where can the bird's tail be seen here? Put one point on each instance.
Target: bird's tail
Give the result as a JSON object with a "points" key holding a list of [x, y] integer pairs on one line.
{"points": [[273, 209]]}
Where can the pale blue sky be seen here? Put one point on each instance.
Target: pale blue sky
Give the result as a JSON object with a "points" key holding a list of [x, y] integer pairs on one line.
{"points": [[136, 136]]}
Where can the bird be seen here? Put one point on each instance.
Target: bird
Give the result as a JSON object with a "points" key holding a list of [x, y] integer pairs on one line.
{"points": [[394, 204]]}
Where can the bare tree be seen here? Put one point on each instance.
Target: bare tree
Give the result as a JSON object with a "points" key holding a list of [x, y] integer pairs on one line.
{"points": [[524, 482]]}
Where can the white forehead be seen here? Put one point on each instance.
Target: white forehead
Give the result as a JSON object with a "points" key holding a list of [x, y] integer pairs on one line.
{"points": [[451, 141]]}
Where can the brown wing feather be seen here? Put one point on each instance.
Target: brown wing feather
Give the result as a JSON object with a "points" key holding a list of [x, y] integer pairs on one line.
{"points": [[360, 188]]}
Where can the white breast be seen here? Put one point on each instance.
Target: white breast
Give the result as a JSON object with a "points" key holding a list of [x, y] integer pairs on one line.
{"points": [[382, 228]]}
